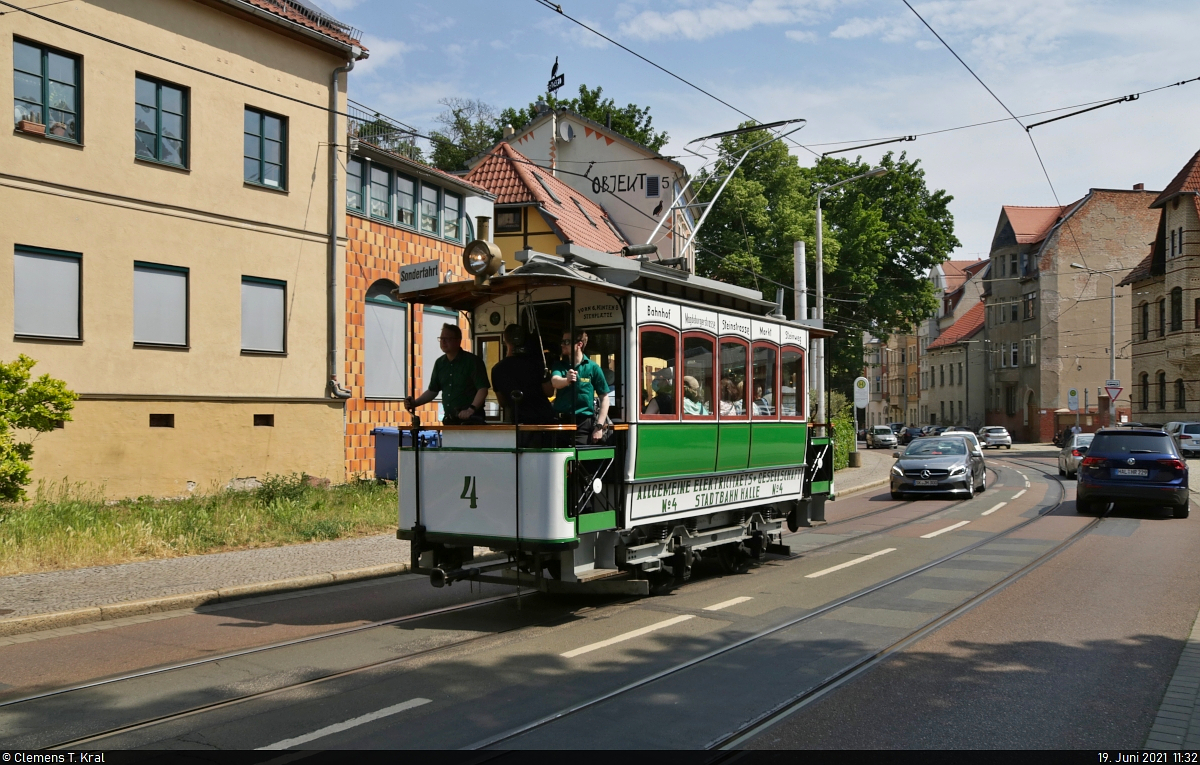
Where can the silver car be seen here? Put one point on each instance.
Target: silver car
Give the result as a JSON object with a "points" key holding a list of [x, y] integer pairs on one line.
{"points": [[880, 435], [939, 465], [1186, 435], [1073, 453], [995, 435]]}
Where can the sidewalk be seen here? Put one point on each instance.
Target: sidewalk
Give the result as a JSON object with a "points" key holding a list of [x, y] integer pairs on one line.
{"points": [[65, 599]]}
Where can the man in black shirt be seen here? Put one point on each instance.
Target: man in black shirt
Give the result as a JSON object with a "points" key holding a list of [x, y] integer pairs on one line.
{"points": [[520, 371]]}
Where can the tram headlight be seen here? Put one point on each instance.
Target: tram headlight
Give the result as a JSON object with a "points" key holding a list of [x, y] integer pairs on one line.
{"points": [[481, 258]]}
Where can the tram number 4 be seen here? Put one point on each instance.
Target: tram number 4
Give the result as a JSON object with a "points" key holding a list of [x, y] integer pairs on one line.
{"points": [[468, 491], [669, 506]]}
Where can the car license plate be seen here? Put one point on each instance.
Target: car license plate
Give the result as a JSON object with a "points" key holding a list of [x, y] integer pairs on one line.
{"points": [[1133, 472], [920, 482]]}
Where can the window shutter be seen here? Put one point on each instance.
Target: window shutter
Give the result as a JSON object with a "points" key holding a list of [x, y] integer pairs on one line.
{"points": [[262, 316], [46, 294], [385, 347], [159, 306]]}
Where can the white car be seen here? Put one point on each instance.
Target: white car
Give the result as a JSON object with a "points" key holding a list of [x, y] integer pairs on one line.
{"points": [[995, 435]]}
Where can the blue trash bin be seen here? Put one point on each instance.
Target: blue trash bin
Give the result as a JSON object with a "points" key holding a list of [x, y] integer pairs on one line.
{"points": [[387, 448]]}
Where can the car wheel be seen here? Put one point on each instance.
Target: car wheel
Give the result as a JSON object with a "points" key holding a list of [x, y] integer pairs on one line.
{"points": [[1008, 447], [1180, 511], [1083, 507], [1061, 471]]}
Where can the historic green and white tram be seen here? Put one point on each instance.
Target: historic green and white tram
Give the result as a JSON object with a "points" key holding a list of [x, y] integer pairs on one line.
{"points": [[710, 453]]}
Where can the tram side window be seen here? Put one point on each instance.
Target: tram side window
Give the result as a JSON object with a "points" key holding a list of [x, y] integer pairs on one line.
{"points": [[762, 398], [733, 380], [697, 383], [604, 348], [491, 350], [791, 387], [658, 373]]}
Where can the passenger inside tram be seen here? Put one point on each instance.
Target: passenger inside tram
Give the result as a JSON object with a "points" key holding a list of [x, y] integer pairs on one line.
{"points": [[693, 397], [663, 386], [731, 402]]}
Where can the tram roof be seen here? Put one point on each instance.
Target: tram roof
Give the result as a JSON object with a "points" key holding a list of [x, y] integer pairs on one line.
{"points": [[577, 266]]}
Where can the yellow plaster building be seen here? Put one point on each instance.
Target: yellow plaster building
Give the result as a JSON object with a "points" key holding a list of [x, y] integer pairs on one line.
{"points": [[170, 233]]}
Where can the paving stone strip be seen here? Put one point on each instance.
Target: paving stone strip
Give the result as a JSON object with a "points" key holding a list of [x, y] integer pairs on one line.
{"points": [[1177, 726]]}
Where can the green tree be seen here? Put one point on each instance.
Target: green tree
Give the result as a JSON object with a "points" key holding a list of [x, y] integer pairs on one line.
{"points": [[881, 236], [632, 121], [469, 128], [26, 405]]}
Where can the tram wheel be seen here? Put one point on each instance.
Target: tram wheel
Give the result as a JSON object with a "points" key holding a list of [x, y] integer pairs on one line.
{"points": [[731, 559]]}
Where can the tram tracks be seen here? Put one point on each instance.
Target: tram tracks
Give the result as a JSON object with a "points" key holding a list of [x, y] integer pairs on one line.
{"points": [[215, 705], [776, 713]]}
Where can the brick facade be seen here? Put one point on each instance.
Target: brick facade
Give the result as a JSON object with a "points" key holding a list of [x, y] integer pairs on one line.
{"points": [[376, 251]]}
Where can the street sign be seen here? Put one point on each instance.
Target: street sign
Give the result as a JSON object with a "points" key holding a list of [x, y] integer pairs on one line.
{"points": [[556, 83], [420, 276], [862, 392], [1113, 392], [1073, 399], [1112, 383]]}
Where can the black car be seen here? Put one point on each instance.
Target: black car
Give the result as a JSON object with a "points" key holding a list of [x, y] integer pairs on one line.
{"points": [[908, 435], [1134, 466]]}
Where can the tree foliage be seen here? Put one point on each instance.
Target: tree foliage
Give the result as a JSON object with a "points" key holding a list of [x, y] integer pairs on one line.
{"points": [[469, 128], [632, 121], [881, 237], [26, 405]]}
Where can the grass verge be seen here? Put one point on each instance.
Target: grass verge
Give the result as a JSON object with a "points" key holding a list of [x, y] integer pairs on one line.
{"points": [[72, 526]]}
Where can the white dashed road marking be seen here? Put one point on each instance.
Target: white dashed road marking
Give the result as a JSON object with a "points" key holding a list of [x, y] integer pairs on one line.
{"points": [[1019, 493], [854, 562], [727, 603], [994, 509], [347, 725], [1027, 484], [933, 534], [626, 636]]}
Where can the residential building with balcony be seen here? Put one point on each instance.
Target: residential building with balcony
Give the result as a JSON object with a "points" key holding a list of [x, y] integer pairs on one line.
{"points": [[957, 366]]}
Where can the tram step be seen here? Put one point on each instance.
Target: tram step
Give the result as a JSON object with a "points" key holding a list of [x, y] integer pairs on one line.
{"points": [[596, 573]]}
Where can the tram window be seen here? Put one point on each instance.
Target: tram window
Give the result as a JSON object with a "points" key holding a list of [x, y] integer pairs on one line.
{"points": [[762, 397], [791, 388], [658, 374], [491, 350], [604, 348], [732, 389], [697, 383]]}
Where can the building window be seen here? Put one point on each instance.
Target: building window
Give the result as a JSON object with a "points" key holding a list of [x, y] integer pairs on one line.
{"points": [[1012, 265], [1176, 309], [406, 201], [651, 185], [1180, 395], [162, 420], [1030, 351], [960, 373], [1012, 310], [46, 89], [1162, 390], [385, 321], [46, 293], [160, 121], [1145, 385], [265, 149], [1029, 303], [1145, 316], [160, 304], [264, 420], [264, 318], [1010, 400], [381, 193], [1181, 240], [354, 182], [1162, 318], [1013, 357], [429, 209], [1172, 243], [1024, 264], [452, 216], [508, 220]]}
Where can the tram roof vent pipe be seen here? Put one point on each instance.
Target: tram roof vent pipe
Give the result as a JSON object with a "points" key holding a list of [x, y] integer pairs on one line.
{"points": [[778, 312]]}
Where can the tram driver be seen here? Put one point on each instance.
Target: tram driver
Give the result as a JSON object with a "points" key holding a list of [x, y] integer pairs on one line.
{"points": [[460, 376], [523, 371], [587, 379]]}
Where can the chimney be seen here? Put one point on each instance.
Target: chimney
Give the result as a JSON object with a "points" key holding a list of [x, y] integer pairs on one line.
{"points": [[509, 132], [1139, 187]]}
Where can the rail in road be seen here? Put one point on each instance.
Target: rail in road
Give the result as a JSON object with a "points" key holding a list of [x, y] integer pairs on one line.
{"points": [[574, 705]]}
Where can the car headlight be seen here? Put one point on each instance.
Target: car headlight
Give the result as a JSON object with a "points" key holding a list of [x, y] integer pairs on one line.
{"points": [[897, 471], [960, 470]]}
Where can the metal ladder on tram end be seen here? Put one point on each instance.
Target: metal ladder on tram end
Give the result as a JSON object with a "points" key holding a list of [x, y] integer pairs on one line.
{"points": [[818, 478]]}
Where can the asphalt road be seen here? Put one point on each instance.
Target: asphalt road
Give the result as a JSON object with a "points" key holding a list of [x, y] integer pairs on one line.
{"points": [[1074, 654]]}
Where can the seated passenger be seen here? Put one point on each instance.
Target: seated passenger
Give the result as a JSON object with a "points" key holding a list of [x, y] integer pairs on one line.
{"points": [[693, 402], [731, 403], [762, 404], [663, 386]]}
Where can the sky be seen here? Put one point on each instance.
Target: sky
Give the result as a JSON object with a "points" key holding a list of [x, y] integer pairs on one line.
{"points": [[856, 70]]}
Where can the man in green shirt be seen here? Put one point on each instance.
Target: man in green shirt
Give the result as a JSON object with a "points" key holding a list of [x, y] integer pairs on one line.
{"points": [[461, 378], [579, 380]]}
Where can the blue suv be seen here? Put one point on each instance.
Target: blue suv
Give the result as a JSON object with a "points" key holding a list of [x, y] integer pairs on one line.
{"points": [[1135, 466]]}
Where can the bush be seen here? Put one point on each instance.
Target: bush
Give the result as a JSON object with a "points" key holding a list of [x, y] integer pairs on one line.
{"points": [[841, 414], [38, 406]]}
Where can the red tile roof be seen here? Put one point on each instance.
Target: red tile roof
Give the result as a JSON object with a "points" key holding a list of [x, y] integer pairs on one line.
{"points": [[514, 179], [1031, 224], [956, 272], [310, 18], [1186, 180], [966, 326]]}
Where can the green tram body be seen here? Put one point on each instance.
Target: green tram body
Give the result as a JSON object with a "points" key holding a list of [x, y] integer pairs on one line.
{"points": [[665, 489]]}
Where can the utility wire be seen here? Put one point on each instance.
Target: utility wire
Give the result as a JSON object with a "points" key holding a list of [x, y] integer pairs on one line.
{"points": [[32, 7]]}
